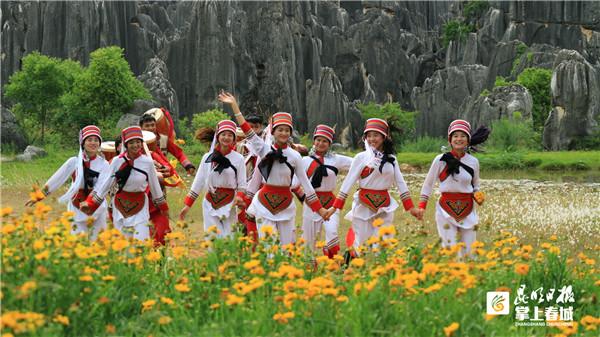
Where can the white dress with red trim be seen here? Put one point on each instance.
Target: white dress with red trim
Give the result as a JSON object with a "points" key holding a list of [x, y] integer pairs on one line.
{"points": [[274, 200], [69, 170], [456, 206], [373, 198], [221, 187], [130, 204], [326, 191]]}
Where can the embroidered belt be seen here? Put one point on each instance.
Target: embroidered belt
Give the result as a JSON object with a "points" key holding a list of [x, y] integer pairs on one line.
{"points": [[326, 198], [221, 197], [275, 198], [458, 205], [129, 203], [374, 199]]}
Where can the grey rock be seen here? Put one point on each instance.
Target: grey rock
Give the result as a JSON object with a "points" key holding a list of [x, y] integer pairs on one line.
{"points": [[443, 97], [536, 56], [156, 79], [128, 120], [12, 134], [502, 102], [327, 104], [31, 152], [575, 89], [140, 106]]}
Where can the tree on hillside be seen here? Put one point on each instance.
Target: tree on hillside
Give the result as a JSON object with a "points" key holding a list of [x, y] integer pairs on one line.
{"points": [[402, 123], [36, 89], [104, 92]]}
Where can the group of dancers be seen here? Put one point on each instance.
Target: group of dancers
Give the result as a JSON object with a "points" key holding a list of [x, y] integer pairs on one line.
{"points": [[250, 175]]}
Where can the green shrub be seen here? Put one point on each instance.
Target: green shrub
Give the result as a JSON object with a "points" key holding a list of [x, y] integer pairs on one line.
{"points": [[512, 135], [424, 144], [474, 9], [402, 123], [537, 81], [208, 118], [455, 30], [553, 166], [501, 82], [503, 161]]}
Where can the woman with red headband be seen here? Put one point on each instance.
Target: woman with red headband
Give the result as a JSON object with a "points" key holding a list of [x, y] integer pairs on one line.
{"points": [[223, 173], [134, 172], [458, 174], [322, 167], [376, 171], [273, 205], [86, 170]]}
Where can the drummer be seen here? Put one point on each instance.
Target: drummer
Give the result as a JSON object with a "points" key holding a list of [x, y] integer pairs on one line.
{"points": [[166, 142]]}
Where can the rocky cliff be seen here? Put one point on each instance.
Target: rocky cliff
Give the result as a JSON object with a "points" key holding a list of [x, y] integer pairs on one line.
{"points": [[317, 59]]}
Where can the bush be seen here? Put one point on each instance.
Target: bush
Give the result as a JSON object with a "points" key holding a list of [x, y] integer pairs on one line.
{"points": [[455, 30], [209, 118], [504, 161], [103, 92], [402, 123], [424, 144], [501, 82], [512, 135], [36, 91], [537, 81], [474, 9]]}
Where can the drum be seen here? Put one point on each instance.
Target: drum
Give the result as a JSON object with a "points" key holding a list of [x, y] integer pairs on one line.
{"points": [[149, 137], [108, 150]]}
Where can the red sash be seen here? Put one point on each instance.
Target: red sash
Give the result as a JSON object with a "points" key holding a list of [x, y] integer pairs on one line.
{"points": [[275, 198], [79, 197], [374, 199], [129, 203], [366, 172], [458, 205], [326, 198], [221, 197]]}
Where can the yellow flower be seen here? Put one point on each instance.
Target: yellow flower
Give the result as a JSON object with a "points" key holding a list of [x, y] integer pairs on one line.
{"points": [[450, 329], [387, 230], [110, 329], [251, 264], [153, 256], [215, 306], [27, 286], [108, 278], [120, 244], [148, 305], [86, 278], [233, 300], [589, 322], [284, 317], [6, 211], [178, 252], [267, 230], [164, 320], [342, 298], [553, 237], [182, 288], [43, 255], [430, 269], [377, 222], [180, 141], [167, 300], [432, 288], [64, 320], [358, 262], [175, 236]]}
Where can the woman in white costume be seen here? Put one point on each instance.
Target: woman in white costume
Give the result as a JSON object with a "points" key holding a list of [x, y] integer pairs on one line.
{"points": [[376, 171], [133, 172], [458, 174], [273, 204], [86, 170], [223, 173], [322, 167]]}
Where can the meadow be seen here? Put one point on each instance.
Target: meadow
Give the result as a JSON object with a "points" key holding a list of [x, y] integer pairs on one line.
{"points": [[533, 233]]}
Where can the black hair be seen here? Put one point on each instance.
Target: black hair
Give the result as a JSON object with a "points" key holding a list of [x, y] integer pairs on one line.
{"points": [[146, 118], [388, 146], [118, 144], [254, 119]]}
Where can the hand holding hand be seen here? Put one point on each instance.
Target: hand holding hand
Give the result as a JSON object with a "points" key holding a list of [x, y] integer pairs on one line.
{"points": [[184, 212], [85, 208]]}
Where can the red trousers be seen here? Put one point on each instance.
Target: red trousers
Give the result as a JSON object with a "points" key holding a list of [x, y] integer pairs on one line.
{"points": [[160, 227]]}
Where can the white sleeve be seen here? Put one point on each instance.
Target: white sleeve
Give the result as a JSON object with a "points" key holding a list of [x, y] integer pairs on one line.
{"points": [[432, 177], [155, 189], [104, 185], [201, 177], [241, 174], [343, 163], [352, 177], [309, 191], [255, 181], [476, 181], [257, 145], [402, 187], [61, 175]]}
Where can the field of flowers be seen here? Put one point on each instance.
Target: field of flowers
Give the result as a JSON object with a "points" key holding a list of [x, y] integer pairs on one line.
{"points": [[56, 284]]}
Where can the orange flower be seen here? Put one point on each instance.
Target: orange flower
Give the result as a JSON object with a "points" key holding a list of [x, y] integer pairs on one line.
{"points": [[182, 288], [450, 329], [164, 320], [521, 268], [64, 320], [284, 317]]}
